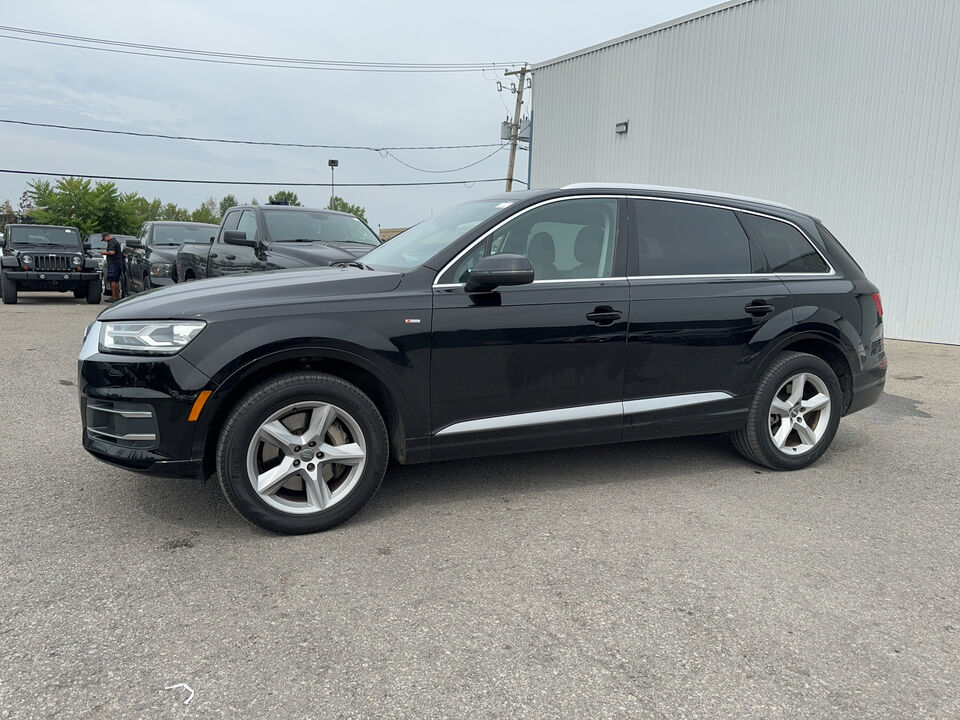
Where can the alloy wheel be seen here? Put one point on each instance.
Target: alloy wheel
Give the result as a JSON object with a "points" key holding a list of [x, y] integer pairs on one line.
{"points": [[306, 457], [799, 413]]}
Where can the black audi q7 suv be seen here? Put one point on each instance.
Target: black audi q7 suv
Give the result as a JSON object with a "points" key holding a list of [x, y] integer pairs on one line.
{"points": [[528, 321]]}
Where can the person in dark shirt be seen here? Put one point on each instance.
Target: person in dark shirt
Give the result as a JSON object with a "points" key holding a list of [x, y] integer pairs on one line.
{"points": [[114, 268]]}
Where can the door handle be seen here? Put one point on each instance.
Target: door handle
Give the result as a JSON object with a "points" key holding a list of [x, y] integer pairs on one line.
{"points": [[231, 257], [759, 308], [604, 315], [213, 255]]}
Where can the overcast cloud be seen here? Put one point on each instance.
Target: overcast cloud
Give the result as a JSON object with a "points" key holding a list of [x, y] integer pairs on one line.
{"points": [[41, 83]]}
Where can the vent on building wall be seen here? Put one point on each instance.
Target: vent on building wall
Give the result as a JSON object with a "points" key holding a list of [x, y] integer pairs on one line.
{"points": [[622, 127]]}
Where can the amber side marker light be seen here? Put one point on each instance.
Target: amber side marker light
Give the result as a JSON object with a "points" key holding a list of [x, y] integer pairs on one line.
{"points": [[198, 405]]}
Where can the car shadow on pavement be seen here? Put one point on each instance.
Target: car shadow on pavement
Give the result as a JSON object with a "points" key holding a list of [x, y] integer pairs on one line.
{"points": [[192, 504], [650, 461]]}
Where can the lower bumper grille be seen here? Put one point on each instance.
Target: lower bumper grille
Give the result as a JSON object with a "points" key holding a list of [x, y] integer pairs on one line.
{"points": [[129, 425]]}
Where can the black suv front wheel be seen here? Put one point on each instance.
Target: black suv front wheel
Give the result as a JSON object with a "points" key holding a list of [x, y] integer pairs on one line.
{"points": [[302, 453], [793, 415]]}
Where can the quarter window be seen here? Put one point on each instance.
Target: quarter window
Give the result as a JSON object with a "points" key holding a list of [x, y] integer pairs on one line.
{"points": [[567, 239], [685, 239], [785, 247]]}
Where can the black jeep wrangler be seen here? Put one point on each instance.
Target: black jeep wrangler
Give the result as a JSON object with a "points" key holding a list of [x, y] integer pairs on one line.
{"points": [[44, 258]]}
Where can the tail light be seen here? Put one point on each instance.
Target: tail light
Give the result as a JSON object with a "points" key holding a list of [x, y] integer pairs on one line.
{"points": [[876, 301]]}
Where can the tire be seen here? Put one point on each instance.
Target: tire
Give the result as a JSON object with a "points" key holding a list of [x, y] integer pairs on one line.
{"points": [[785, 429], [94, 293], [305, 496], [9, 290]]}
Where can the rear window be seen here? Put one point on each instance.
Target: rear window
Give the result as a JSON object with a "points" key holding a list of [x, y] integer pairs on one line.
{"points": [[685, 239], [785, 247]]}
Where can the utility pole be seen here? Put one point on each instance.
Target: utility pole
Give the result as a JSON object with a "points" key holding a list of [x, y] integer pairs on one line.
{"points": [[515, 132]]}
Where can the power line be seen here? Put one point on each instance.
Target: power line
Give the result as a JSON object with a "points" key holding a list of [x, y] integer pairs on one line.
{"points": [[249, 182], [227, 58], [462, 167], [246, 142]]}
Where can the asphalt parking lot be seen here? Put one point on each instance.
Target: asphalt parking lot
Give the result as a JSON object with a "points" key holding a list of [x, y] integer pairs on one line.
{"points": [[666, 579]]}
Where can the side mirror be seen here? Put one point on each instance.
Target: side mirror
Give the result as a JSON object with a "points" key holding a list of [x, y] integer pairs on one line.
{"points": [[496, 270], [134, 243], [86, 246], [239, 237]]}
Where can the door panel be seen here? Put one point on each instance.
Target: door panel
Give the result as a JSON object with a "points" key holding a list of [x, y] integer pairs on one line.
{"points": [[694, 335], [528, 349], [546, 359]]}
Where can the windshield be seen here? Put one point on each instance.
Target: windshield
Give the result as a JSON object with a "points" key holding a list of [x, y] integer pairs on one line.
{"points": [[315, 225], [415, 246], [179, 234], [33, 236]]}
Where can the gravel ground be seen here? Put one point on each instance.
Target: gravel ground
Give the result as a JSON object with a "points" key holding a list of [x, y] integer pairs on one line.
{"points": [[661, 579]]}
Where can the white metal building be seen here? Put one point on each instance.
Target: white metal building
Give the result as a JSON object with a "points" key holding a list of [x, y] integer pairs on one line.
{"points": [[846, 109]]}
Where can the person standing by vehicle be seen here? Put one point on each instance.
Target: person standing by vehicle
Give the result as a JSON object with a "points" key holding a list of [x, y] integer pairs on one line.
{"points": [[114, 267]]}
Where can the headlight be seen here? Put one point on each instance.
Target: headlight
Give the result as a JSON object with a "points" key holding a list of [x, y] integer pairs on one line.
{"points": [[76, 261], [26, 259], [153, 337], [160, 269]]}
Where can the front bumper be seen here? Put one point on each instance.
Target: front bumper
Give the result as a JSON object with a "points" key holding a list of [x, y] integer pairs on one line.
{"points": [[51, 279], [135, 409]]}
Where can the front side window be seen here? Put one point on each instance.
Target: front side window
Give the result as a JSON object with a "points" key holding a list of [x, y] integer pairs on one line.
{"points": [[785, 247], [230, 222], [676, 238], [248, 224], [564, 240]]}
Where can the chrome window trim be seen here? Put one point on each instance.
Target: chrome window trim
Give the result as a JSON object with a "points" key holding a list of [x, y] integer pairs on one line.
{"points": [[568, 281], [582, 412], [799, 229], [499, 225]]}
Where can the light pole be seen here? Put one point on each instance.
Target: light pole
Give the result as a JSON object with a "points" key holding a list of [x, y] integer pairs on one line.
{"points": [[333, 164]]}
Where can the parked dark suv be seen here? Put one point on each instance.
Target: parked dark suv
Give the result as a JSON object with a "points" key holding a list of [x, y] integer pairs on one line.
{"points": [[37, 258], [527, 321]]}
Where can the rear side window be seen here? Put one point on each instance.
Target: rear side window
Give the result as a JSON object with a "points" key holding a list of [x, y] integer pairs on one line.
{"points": [[785, 247], [685, 239]]}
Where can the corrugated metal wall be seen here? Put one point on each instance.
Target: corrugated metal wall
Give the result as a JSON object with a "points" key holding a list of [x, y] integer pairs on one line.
{"points": [[847, 109]]}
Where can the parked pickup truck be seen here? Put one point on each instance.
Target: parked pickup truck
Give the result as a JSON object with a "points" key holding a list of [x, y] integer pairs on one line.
{"points": [[255, 238]]}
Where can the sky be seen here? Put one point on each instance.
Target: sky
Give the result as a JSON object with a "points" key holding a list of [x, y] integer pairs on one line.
{"points": [[71, 86]]}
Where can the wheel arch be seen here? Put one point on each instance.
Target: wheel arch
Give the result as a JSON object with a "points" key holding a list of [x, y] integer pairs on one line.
{"points": [[352, 368], [825, 345]]}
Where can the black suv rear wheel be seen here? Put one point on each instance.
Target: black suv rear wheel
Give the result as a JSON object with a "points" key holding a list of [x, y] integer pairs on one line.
{"points": [[794, 413], [302, 453]]}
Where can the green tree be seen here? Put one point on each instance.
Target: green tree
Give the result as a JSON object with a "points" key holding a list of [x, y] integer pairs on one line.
{"points": [[280, 196], [253, 201], [7, 214], [172, 211], [228, 202], [207, 212], [338, 203], [79, 203]]}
